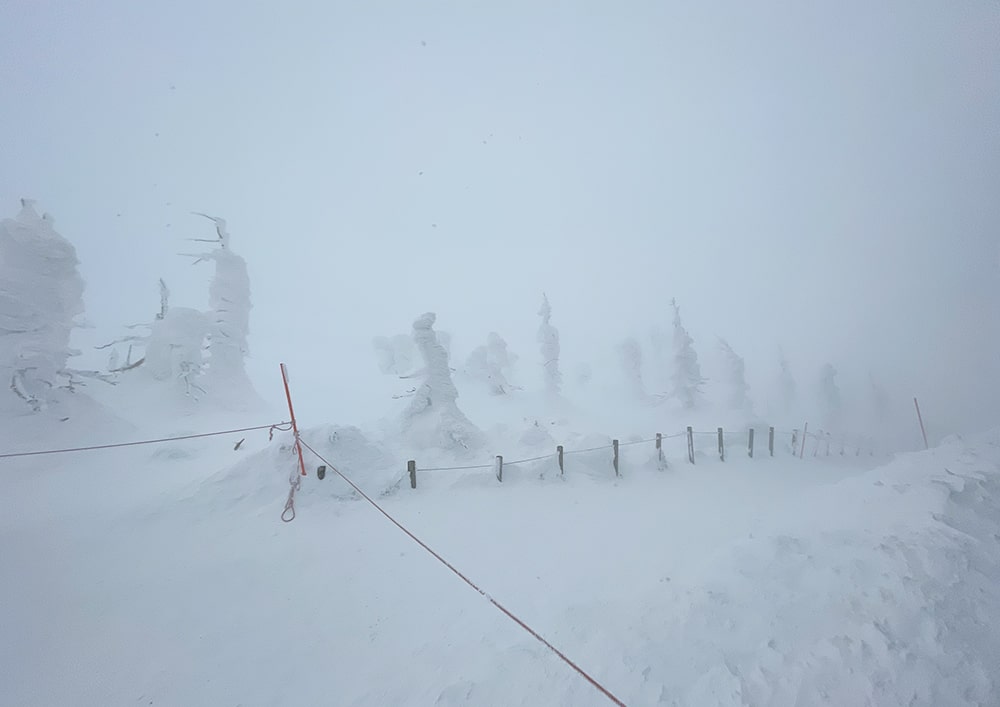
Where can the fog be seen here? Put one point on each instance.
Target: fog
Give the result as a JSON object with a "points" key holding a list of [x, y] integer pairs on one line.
{"points": [[823, 179]]}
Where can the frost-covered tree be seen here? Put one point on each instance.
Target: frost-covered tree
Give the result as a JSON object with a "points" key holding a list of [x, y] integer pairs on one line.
{"points": [[491, 364], [830, 398], [660, 350], [229, 315], [548, 339], [786, 384], [736, 380], [41, 294], [630, 355], [687, 382], [433, 417], [173, 349], [396, 354]]}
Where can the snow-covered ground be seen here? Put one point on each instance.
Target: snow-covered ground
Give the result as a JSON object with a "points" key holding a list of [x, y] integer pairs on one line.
{"points": [[162, 575]]}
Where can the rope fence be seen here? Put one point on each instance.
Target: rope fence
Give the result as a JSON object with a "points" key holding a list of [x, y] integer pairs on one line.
{"points": [[282, 426], [822, 444]]}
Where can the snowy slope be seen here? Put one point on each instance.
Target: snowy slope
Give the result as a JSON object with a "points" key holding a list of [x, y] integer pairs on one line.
{"points": [[162, 576]]}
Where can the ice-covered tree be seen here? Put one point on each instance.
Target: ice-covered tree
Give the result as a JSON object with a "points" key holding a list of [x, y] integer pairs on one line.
{"points": [[229, 315], [687, 382], [630, 355], [548, 339], [659, 342], [491, 364], [830, 398], [786, 384], [396, 354], [173, 349], [41, 294], [433, 417], [736, 380]]}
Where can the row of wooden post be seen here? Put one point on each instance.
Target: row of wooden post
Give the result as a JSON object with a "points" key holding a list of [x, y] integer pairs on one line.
{"points": [[827, 437], [411, 465]]}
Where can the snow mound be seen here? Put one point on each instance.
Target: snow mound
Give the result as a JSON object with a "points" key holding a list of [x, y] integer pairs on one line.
{"points": [[263, 477]]}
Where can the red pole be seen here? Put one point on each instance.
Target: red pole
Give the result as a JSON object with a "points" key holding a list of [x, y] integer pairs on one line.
{"points": [[920, 419], [805, 433], [295, 427]]}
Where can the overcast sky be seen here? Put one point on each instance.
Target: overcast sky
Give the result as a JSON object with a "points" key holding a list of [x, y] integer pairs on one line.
{"points": [[820, 176]]}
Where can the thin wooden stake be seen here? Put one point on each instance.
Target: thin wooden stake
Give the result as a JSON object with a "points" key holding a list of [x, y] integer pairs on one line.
{"points": [[614, 444], [920, 419], [722, 447], [660, 461], [750, 444], [559, 452], [411, 467], [499, 468], [770, 440], [690, 444], [295, 426]]}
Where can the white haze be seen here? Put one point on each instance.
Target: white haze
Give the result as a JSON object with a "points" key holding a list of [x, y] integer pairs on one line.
{"points": [[820, 178]]}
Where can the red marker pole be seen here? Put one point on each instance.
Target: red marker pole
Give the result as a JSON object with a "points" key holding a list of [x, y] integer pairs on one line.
{"points": [[295, 427], [920, 419]]}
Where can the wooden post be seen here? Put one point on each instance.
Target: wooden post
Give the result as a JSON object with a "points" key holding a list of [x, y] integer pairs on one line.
{"points": [[690, 445], [795, 441], [770, 440], [411, 466], [722, 447], [829, 437], [750, 444], [499, 468], [659, 452], [559, 453], [614, 445], [920, 419], [805, 432]]}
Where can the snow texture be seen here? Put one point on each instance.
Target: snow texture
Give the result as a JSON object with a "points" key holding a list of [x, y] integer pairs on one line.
{"points": [[130, 578]]}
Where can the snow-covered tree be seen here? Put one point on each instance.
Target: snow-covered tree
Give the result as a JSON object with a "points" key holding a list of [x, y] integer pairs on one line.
{"points": [[630, 354], [433, 416], [173, 350], [687, 381], [548, 339], [786, 384], [660, 350], [229, 315], [830, 399], [396, 354], [41, 294], [491, 364], [736, 380]]}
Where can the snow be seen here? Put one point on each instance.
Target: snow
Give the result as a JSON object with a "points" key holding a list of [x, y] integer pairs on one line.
{"points": [[161, 575]]}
